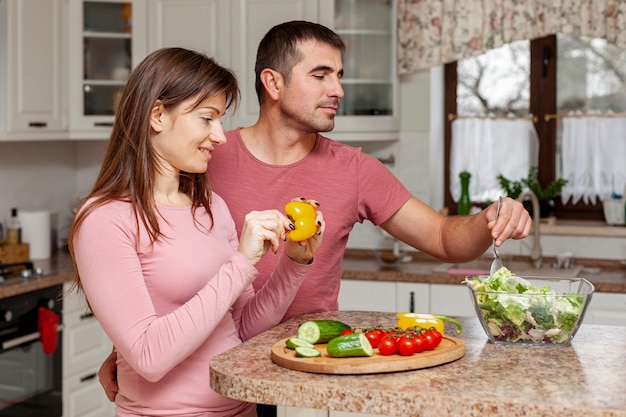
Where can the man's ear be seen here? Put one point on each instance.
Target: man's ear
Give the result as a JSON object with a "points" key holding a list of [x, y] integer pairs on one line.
{"points": [[156, 117], [272, 81]]}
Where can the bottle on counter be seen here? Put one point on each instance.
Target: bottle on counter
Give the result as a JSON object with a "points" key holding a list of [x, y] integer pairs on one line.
{"points": [[14, 229], [465, 204]]}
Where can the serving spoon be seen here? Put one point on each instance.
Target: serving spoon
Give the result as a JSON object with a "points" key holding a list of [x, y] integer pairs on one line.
{"points": [[497, 262]]}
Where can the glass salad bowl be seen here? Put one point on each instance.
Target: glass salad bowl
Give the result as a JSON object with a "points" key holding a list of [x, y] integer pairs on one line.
{"points": [[533, 311]]}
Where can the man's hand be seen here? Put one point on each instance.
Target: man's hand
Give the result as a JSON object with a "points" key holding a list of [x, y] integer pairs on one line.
{"points": [[107, 374]]}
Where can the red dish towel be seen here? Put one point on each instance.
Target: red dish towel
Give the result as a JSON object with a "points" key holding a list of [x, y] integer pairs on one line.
{"points": [[48, 332]]}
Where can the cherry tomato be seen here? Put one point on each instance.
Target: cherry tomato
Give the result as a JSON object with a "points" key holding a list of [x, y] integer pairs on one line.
{"points": [[373, 337], [381, 333], [387, 346], [437, 335], [419, 343], [346, 332], [406, 347], [429, 341]]}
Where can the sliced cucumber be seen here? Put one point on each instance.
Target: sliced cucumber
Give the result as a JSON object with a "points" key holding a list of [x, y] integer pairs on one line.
{"points": [[355, 344], [294, 342], [306, 352], [320, 331]]}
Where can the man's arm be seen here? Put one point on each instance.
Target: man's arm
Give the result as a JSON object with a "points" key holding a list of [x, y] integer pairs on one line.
{"points": [[457, 238]]}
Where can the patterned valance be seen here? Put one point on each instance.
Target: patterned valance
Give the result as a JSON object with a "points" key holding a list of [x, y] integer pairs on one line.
{"points": [[434, 32]]}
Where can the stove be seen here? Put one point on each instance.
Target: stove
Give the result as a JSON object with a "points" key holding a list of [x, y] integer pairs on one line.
{"points": [[24, 270]]}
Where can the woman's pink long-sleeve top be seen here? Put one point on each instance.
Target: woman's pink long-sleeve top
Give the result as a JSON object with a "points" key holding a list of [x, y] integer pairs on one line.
{"points": [[170, 307]]}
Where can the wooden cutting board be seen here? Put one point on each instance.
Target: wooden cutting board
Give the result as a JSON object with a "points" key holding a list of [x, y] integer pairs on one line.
{"points": [[450, 349]]}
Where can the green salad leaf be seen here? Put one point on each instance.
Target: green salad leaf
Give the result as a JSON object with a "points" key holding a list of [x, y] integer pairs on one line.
{"points": [[516, 311]]}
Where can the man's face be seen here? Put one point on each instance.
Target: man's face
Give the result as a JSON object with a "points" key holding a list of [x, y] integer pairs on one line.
{"points": [[311, 97]]}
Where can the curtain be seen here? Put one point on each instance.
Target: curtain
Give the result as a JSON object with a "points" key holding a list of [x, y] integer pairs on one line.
{"points": [[487, 148], [594, 158], [434, 32]]}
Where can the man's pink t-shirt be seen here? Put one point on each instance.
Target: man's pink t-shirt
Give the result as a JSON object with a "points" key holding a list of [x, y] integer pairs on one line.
{"points": [[350, 186], [169, 308]]}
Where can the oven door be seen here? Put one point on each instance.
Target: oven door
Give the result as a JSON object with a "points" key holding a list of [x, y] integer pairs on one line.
{"points": [[30, 373]]}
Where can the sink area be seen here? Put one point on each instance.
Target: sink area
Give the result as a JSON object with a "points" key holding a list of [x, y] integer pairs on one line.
{"points": [[481, 267]]}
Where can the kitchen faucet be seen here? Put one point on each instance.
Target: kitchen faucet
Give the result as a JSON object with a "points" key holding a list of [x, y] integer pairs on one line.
{"points": [[535, 253]]}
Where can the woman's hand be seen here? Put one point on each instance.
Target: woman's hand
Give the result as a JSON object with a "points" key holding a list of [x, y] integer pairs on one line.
{"points": [[261, 231]]}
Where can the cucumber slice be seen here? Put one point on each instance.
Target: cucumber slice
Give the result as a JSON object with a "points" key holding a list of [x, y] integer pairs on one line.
{"points": [[320, 331], [294, 342], [355, 344], [306, 352]]}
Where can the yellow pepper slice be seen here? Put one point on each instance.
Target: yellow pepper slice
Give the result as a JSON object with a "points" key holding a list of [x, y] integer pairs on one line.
{"points": [[426, 321]]}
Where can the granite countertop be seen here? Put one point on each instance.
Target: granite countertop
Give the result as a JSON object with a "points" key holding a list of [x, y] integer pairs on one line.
{"points": [[585, 379], [358, 265], [56, 270]]}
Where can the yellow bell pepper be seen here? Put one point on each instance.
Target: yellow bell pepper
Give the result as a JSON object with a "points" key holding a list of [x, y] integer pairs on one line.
{"points": [[302, 215], [426, 321]]}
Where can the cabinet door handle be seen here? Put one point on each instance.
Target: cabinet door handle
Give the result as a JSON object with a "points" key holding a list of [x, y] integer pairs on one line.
{"points": [[103, 124], [88, 377], [37, 124]]}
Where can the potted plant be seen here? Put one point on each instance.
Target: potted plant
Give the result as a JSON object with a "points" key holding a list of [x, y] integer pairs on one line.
{"points": [[545, 195]]}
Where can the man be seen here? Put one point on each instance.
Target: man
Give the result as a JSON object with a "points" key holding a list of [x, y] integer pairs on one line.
{"points": [[298, 83]]}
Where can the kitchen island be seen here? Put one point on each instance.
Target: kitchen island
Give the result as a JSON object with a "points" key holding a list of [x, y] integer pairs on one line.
{"points": [[585, 379]]}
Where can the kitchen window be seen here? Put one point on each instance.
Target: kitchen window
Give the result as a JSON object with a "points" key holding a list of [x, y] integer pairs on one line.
{"points": [[551, 76]]}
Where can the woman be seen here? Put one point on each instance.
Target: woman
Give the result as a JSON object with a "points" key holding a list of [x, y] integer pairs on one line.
{"points": [[156, 252]]}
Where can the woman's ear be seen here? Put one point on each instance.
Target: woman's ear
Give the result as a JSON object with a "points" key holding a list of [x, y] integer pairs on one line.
{"points": [[156, 117], [272, 81]]}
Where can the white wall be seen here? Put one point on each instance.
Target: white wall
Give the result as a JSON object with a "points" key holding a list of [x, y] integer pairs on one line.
{"points": [[47, 176]]}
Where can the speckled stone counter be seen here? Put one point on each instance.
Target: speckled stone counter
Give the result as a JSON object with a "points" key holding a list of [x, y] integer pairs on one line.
{"points": [[585, 379], [57, 270]]}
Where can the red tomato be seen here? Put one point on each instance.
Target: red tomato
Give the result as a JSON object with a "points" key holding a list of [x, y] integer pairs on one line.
{"points": [[381, 333], [406, 347], [430, 342], [346, 332], [387, 346], [373, 337], [437, 335], [419, 343]]}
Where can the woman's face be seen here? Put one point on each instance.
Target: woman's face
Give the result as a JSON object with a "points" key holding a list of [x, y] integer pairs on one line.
{"points": [[185, 137]]}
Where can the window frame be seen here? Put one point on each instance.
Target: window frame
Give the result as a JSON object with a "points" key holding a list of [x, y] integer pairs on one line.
{"points": [[542, 102]]}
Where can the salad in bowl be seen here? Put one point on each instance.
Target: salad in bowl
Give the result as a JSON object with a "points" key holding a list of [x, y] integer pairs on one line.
{"points": [[539, 311]]}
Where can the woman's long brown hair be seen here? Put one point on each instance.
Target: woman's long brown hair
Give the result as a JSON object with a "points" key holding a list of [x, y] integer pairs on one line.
{"points": [[168, 76]]}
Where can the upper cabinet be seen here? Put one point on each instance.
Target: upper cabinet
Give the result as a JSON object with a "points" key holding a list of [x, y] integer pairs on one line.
{"points": [[63, 63], [200, 25], [107, 39], [368, 111], [32, 65]]}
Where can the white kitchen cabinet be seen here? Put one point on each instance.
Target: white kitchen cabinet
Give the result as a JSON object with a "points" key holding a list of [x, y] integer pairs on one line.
{"points": [[367, 295], [606, 308], [107, 39], [369, 109], [451, 300], [85, 346], [413, 297], [282, 411], [32, 65], [206, 26]]}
